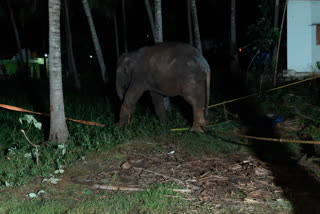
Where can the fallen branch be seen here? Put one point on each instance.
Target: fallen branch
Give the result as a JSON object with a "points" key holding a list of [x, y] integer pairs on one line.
{"points": [[133, 189]]}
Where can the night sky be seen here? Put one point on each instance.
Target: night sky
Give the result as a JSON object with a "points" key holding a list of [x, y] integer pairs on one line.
{"points": [[213, 18]]}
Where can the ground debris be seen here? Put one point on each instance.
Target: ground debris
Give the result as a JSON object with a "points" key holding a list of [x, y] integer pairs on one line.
{"points": [[237, 178]]}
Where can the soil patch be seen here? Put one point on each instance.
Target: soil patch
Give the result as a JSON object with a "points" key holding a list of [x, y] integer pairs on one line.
{"points": [[225, 180]]}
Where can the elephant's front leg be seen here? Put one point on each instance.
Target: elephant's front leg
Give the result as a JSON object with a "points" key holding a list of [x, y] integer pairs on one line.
{"points": [[158, 104], [127, 108]]}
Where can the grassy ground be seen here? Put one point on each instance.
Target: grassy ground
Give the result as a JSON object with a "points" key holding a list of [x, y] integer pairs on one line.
{"points": [[20, 176]]}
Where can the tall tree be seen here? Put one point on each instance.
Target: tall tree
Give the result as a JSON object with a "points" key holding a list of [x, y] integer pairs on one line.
{"points": [[116, 34], [58, 127], [234, 64], [275, 25], [124, 26], [196, 25], [70, 55], [158, 21], [158, 38], [16, 35], [278, 44], [95, 41], [150, 17], [189, 22]]}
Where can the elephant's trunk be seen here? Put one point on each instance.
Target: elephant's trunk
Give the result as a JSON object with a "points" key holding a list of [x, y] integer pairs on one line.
{"points": [[122, 83], [120, 92]]}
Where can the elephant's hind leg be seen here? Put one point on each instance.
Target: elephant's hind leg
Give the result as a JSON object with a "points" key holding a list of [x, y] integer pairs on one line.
{"points": [[158, 104]]}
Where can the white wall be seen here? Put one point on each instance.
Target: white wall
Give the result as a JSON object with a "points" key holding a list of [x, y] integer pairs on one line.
{"points": [[302, 51], [315, 8]]}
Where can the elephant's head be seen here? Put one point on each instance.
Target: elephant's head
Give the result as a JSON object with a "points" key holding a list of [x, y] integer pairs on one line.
{"points": [[126, 64]]}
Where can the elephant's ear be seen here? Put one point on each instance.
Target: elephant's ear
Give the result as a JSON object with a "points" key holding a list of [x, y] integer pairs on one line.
{"points": [[124, 74], [126, 60]]}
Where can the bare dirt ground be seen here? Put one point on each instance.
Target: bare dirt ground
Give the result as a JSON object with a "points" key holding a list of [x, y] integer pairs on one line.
{"points": [[236, 182]]}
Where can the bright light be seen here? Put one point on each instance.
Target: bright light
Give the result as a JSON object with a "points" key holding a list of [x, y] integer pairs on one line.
{"points": [[45, 55], [147, 35], [90, 56]]}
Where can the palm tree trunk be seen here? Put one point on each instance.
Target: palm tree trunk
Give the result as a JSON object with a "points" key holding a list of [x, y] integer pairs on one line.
{"points": [[234, 64], [158, 38], [17, 37], [124, 26], [58, 127], [278, 47], [71, 60], [95, 41], [158, 21], [275, 25], [150, 17], [189, 22], [116, 34], [196, 25]]}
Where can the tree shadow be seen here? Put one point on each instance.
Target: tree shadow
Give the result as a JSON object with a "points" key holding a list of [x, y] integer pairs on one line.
{"points": [[299, 185]]}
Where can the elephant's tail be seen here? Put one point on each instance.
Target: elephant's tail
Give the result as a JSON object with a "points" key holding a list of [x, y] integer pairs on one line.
{"points": [[206, 69], [207, 92]]}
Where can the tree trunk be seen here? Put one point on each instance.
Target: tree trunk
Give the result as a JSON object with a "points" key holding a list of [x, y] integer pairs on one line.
{"points": [[124, 26], [234, 64], [17, 37], [278, 47], [58, 127], [71, 60], [196, 25], [116, 34], [158, 38], [189, 22], [275, 25], [150, 17], [158, 22], [95, 41]]}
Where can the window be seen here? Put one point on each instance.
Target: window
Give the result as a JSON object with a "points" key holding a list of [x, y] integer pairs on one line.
{"points": [[318, 34]]}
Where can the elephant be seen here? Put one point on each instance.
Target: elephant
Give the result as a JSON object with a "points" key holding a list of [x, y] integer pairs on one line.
{"points": [[165, 69]]}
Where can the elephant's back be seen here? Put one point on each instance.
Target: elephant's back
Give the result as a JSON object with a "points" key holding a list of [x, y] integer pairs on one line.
{"points": [[174, 54]]}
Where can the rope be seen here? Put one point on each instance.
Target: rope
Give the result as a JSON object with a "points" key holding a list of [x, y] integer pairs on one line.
{"points": [[14, 108], [270, 139], [255, 94]]}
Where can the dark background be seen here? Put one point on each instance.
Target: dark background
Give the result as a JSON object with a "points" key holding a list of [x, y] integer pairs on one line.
{"points": [[213, 16]]}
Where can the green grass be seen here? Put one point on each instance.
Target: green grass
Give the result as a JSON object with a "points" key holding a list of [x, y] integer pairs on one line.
{"points": [[17, 156], [158, 198]]}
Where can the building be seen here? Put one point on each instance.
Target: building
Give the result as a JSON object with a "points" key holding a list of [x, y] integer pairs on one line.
{"points": [[303, 37]]}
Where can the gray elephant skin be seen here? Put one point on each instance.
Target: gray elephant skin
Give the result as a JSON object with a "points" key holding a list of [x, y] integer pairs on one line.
{"points": [[166, 69]]}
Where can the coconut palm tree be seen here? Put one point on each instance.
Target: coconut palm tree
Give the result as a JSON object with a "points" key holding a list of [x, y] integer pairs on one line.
{"points": [[158, 38], [16, 34], [189, 22], [196, 25], [124, 26], [158, 21], [234, 64], [276, 25], [95, 41], [150, 17], [58, 127], [116, 34], [71, 60]]}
